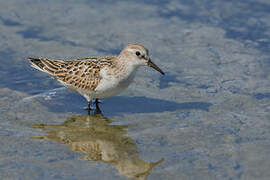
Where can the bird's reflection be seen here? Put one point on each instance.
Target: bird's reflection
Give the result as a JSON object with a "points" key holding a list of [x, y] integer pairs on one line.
{"points": [[93, 136]]}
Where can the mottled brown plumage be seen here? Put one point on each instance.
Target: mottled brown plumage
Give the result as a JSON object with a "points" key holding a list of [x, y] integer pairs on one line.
{"points": [[78, 74], [98, 77]]}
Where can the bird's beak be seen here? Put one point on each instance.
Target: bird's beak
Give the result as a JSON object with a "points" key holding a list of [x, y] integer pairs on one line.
{"points": [[151, 64]]}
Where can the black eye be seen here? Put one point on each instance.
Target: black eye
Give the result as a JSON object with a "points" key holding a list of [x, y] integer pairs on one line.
{"points": [[138, 53]]}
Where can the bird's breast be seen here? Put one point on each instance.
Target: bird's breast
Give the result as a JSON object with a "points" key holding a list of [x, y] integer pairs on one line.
{"points": [[112, 84]]}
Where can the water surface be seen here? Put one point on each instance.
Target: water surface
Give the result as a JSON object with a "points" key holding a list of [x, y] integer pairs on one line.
{"points": [[207, 118]]}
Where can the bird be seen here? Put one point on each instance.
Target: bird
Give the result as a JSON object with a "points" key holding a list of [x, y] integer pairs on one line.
{"points": [[97, 77]]}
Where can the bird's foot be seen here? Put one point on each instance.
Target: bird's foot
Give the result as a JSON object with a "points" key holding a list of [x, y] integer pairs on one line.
{"points": [[88, 108], [96, 110], [98, 101]]}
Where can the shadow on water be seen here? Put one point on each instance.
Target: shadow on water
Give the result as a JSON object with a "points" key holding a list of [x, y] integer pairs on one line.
{"points": [[147, 105], [123, 104], [93, 136]]}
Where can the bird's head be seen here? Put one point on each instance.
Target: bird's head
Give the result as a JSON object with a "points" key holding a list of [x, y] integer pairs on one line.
{"points": [[137, 55]]}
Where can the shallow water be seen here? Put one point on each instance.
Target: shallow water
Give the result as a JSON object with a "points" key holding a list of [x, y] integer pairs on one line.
{"points": [[207, 118]]}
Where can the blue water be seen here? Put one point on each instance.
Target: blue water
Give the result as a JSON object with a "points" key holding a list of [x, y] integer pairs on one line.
{"points": [[207, 118]]}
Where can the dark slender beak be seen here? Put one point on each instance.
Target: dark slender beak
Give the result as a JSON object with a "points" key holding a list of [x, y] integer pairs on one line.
{"points": [[151, 64]]}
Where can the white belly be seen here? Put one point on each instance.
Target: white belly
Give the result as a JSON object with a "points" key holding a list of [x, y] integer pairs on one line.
{"points": [[112, 86], [109, 85]]}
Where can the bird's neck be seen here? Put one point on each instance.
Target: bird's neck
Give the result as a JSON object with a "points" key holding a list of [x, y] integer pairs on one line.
{"points": [[124, 69]]}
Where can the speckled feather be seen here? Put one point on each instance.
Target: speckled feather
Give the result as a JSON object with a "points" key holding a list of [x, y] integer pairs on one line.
{"points": [[98, 77], [78, 73]]}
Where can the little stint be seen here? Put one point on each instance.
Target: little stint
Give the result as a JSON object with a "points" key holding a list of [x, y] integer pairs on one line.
{"points": [[100, 77]]}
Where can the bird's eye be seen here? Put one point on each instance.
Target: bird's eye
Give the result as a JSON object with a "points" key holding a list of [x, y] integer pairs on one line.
{"points": [[138, 53]]}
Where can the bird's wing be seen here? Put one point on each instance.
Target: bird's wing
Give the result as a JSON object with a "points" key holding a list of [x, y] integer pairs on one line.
{"points": [[79, 73]]}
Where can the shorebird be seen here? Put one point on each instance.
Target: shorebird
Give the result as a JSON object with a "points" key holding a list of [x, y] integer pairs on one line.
{"points": [[99, 77]]}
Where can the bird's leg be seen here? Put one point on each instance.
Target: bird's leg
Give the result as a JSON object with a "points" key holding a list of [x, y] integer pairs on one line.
{"points": [[97, 101], [98, 111], [89, 107]]}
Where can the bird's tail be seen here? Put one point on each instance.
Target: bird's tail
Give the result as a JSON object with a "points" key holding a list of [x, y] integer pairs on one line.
{"points": [[46, 65], [36, 63]]}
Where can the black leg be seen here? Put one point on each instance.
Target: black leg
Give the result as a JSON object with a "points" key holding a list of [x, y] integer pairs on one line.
{"points": [[98, 111], [97, 101], [88, 107]]}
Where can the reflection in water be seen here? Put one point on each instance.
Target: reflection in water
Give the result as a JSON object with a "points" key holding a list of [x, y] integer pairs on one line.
{"points": [[93, 136]]}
